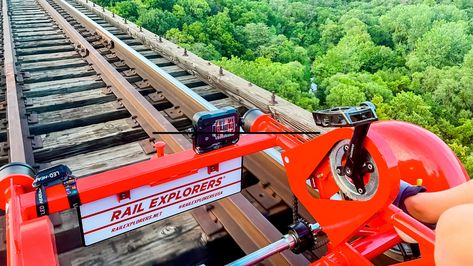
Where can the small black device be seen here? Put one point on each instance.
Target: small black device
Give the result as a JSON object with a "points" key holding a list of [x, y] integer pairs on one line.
{"points": [[58, 174], [215, 129], [52, 176]]}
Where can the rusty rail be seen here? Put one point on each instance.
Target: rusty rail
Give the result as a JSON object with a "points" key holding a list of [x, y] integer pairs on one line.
{"points": [[259, 231], [273, 173], [133, 100], [236, 87], [20, 150]]}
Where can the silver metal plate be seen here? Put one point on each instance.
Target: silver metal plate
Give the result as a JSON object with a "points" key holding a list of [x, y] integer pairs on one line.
{"points": [[344, 183]]}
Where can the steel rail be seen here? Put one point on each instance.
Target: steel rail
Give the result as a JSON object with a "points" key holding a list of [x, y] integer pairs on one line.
{"points": [[190, 103], [134, 101], [17, 125], [259, 228], [236, 87]]}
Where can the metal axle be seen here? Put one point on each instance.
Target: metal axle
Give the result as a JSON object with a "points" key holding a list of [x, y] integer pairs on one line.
{"points": [[288, 241]]}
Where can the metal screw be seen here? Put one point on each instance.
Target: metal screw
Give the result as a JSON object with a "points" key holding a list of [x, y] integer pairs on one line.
{"points": [[221, 71], [339, 171], [185, 52], [160, 39], [346, 147], [360, 190], [273, 99], [141, 29], [370, 166], [113, 14], [126, 21], [348, 171]]}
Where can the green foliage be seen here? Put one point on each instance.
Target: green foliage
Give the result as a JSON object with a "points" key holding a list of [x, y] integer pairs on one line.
{"points": [[410, 107], [369, 85], [408, 23], [443, 45], [413, 59], [345, 95], [256, 34], [193, 8], [353, 53], [206, 51], [157, 21], [287, 80], [280, 49], [127, 9], [221, 31], [159, 4]]}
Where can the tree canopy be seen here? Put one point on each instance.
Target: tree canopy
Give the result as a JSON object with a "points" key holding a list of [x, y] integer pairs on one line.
{"points": [[413, 58]]}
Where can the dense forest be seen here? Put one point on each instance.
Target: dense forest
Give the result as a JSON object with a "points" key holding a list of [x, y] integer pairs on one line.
{"points": [[412, 58]]}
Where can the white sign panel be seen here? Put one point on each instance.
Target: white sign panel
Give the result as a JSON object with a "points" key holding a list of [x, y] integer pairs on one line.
{"points": [[108, 217]]}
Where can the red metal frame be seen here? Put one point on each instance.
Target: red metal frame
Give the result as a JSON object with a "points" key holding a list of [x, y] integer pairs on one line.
{"points": [[358, 230]]}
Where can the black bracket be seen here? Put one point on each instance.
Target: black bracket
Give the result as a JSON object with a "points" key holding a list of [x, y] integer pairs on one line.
{"points": [[360, 118]]}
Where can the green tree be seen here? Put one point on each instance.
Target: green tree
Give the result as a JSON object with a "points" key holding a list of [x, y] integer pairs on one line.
{"points": [[159, 4], [206, 51], [444, 45], [351, 54], [157, 21], [193, 8], [407, 106], [370, 85], [177, 36], [197, 31], [127, 9], [221, 31], [280, 49], [256, 34], [287, 80], [345, 95]]}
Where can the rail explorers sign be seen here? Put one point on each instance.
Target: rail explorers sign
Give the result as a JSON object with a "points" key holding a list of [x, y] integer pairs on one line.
{"points": [[114, 215]]}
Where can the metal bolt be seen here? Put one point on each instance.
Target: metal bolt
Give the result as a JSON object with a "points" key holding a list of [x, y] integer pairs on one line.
{"points": [[103, 9], [360, 190], [346, 147], [339, 171], [221, 71], [113, 14], [185, 52], [348, 171], [141, 29], [273, 99], [370, 166], [160, 39]]}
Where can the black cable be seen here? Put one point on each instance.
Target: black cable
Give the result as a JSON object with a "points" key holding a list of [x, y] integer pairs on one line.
{"points": [[239, 133]]}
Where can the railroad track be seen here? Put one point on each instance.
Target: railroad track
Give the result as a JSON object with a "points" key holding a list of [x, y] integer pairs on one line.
{"points": [[80, 90]]}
